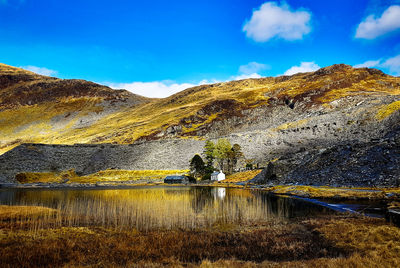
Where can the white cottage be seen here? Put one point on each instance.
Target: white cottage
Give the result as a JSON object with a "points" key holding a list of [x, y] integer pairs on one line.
{"points": [[217, 176]]}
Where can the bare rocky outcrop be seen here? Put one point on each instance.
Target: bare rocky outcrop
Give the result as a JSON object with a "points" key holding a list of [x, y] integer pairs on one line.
{"points": [[90, 158], [372, 163]]}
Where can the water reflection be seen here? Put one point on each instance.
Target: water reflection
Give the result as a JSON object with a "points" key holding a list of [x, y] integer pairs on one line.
{"points": [[219, 192], [164, 207]]}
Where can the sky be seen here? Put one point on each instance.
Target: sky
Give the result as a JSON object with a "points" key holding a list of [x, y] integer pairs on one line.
{"points": [[156, 48]]}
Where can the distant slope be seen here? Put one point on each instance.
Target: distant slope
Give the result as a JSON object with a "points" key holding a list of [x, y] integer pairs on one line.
{"points": [[49, 110], [40, 108], [19, 87]]}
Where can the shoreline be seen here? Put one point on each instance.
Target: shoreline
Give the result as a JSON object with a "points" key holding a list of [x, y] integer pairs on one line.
{"points": [[302, 191]]}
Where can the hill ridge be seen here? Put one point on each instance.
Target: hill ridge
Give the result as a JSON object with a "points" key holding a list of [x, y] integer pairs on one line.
{"points": [[197, 113]]}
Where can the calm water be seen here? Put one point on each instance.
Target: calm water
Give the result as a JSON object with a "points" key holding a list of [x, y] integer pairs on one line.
{"points": [[148, 208]]}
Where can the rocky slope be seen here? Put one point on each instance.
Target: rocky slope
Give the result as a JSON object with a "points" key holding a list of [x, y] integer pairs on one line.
{"points": [[271, 118]]}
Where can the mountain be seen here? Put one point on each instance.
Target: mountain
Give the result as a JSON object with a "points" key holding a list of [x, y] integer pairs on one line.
{"points": [[271, 118], [38, 108]]}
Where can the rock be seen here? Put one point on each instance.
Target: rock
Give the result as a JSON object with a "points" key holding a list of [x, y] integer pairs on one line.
{"points": [[265, 176]]}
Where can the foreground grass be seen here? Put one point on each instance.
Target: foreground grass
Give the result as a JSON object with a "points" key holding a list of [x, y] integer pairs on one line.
{"points": [[324, 242], [13, 212]]}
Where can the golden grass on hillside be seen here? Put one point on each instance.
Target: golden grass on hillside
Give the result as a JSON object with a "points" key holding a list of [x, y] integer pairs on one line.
{"points": [[242, 176], [45, 177], [387, 110], [295, 124], [127, 124]]}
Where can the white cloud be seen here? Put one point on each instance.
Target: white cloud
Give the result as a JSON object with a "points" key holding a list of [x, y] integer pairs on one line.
{"points": [[252, 67], [368, 64], [165, 88], [250, 70], [156, 89], [245, 76], [303, 68], [272, 20], [373, 27], [40, 70], [393, 64]]}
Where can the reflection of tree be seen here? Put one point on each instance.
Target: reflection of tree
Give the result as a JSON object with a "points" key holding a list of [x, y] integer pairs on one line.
{"points": [[200, 198]]}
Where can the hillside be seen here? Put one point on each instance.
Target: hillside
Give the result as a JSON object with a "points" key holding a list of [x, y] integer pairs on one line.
{"points": [[40, 108], [49, 110], [339, 125]]}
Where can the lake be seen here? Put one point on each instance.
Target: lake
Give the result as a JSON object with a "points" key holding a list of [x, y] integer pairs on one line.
{"points": [[169, 207]]}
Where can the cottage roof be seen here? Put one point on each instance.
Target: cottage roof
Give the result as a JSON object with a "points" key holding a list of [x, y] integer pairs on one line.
{"points": [[215, 173]]}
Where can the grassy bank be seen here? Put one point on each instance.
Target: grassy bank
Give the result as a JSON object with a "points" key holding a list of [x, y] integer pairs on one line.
{"points": [[109, 175], [327, 192], [324, 242], [144, 177]]}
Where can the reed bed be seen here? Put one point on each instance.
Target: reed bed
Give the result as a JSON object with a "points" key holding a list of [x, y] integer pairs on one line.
{"points": [[152, 209], [184, 227]]}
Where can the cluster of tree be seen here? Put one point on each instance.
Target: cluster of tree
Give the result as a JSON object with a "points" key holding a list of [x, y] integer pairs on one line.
{"points": [[222, 154]]}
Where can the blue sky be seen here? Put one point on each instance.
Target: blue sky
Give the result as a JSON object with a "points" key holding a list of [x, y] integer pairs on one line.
{"points": [[156, 48]]}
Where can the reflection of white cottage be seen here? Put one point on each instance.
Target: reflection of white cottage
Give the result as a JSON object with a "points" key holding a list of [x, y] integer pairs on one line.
{"points": [[219, 192], [217, 176]]}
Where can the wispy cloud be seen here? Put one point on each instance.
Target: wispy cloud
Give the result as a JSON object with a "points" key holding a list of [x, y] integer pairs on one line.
{"points": [[252, 67], [368, 64], [302, 68], [273, 20], [40, 70], [373, 27], [156, 89], [165, 88], [391, 64]]}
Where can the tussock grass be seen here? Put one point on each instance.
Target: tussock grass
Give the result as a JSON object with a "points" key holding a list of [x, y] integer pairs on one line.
{"points": [[340, 241], [241, 176], [387, 110], [46, 177], [23, 246], [12, 212]]}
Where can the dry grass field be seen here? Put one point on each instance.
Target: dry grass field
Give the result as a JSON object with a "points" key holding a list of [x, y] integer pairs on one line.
{"points": [[334, 241]]}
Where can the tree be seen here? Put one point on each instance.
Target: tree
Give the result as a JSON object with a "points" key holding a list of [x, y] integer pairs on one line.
{"points": [[209, 153], [197, 166], [225, 155], [233, 156], [221, 152]]}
